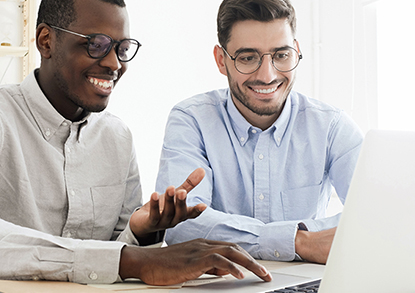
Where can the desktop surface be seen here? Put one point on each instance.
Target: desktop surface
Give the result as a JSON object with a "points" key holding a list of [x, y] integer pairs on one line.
{"points": [[127, 287]]}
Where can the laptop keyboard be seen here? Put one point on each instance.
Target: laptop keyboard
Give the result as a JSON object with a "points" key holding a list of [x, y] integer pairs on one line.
{"points": [[309, 287]]}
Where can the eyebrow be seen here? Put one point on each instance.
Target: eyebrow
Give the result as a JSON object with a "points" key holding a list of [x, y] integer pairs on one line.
{"points": [[250, 50]]}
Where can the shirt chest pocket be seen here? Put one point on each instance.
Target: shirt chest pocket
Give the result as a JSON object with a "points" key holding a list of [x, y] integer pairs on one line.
{"points": [[301, 203], [107, 203]]}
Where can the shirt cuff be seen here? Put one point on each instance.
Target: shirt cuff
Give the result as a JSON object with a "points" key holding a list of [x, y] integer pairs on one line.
{"points": [[277, 242], [97, 261], [127, 236]]}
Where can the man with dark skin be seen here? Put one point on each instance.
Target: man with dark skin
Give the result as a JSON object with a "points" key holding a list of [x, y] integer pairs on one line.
{"points": [[77, 82]]}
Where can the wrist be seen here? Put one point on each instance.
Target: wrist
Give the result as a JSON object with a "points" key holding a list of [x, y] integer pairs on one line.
{"points": [[131, 260], [150, 238], [301, 243]]}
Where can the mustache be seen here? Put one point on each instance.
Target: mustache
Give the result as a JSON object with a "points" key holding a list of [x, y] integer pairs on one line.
{"points": [[261, 83]]}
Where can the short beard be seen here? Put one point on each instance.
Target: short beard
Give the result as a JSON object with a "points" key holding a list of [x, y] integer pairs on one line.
{"points": [[60, 80], [244, 99]]}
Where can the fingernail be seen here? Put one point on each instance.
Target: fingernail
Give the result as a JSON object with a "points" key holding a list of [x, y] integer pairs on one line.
{"points": [[264, 270], [181, 196], [241, 275], [201, 208], [156, 196]]}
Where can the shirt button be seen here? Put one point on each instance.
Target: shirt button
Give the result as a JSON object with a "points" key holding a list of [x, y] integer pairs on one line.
{"points": [[35, 278], [47, 133], [261, 196], [93, 276], [279, 139], [65, 123], [72, 192], [276, 253], [253, 131], [261, 156], [242, 139]]}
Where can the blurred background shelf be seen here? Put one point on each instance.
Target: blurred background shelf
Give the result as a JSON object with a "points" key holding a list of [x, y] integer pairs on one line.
{"points": [[12, 51], [17, 27]]}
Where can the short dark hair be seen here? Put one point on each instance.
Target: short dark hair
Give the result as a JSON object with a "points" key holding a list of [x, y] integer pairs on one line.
{"points": [[62, 13], [231, 11]]}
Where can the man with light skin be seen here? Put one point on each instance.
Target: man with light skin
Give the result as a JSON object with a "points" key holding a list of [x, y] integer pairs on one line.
{"points": [[69, 181], [272, 156]]}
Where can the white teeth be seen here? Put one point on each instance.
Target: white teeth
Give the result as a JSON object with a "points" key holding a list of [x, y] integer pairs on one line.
{"points": [[265, 91], [103, 84]]}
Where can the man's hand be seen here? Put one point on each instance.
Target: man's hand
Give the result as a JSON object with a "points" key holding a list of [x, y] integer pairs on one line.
{"points": [[187, 261], [167, 210], [314, 246]]}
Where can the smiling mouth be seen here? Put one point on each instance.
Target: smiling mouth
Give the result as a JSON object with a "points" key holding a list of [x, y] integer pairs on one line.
{"points": [[265, 91], [261, 88], [101, 83]]}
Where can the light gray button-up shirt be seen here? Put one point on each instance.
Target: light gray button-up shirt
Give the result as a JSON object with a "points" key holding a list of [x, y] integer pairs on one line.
{"points": [[66, 188]]}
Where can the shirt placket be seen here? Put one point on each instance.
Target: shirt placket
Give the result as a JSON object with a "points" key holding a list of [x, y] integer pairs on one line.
{"points": [[80, 209], [261, 178]]}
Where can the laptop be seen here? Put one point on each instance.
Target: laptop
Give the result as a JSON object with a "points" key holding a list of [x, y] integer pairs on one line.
{"points": [[374, 246]]}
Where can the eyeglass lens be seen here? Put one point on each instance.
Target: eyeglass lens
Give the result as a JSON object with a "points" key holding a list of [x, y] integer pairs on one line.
{"points": [[100, 45], [283, 60]]}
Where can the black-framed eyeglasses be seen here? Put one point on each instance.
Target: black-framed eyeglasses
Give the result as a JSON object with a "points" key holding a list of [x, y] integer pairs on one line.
{"points": [[99, 45], [247, 61]]}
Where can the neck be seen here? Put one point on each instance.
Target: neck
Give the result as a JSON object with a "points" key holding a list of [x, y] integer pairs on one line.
{"points": [[261, 121]]}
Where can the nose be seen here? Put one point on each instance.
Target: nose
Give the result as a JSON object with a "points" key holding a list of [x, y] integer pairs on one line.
{"points": [[266, 71], [111, 60]]}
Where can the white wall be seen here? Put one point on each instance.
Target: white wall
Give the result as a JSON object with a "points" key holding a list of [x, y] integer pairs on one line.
{"points": [[348, 58]]}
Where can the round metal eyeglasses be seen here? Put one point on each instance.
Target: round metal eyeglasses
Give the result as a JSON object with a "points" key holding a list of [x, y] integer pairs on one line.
{"points": [[248, 61], [99, 45]]}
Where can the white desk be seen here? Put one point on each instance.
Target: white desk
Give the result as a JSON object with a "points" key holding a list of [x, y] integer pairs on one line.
{"points": [[66, 287]]}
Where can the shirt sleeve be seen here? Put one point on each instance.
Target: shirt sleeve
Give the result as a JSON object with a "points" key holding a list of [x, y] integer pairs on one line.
{"points": [[344, 144], [28, 254], [272, 241]]}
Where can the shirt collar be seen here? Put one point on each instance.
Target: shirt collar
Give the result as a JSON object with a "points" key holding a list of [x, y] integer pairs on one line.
{"points": [[282, 122], [243, 128], [45, 115], [239, 123]]}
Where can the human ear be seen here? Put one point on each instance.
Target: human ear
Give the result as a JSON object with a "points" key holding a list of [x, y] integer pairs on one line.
{"points": [[220, 59], [44, 40], [297, 46]]}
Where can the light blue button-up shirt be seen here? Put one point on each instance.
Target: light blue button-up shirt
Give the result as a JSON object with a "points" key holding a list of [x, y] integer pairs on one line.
{"points": [[260, 186]]}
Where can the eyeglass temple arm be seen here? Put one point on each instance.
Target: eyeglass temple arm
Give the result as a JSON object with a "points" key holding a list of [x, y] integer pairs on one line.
{"points": [[62, 29]]}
